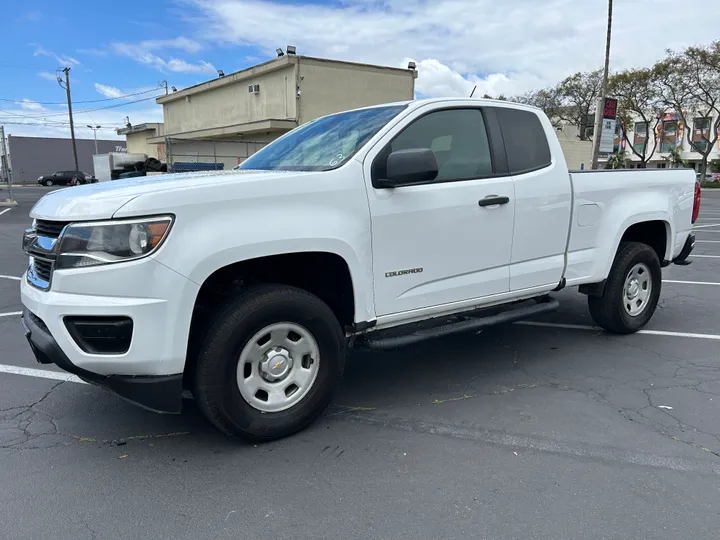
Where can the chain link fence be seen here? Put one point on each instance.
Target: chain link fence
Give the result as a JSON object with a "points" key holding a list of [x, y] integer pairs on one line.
{"points": [[183, 155]]}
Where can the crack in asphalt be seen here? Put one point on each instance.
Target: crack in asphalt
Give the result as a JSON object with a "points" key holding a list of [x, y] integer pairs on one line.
{"points": [[24, 425]]}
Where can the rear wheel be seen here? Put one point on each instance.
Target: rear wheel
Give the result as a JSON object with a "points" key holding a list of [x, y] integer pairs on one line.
{"points": [[269, 363], [631, 292]]}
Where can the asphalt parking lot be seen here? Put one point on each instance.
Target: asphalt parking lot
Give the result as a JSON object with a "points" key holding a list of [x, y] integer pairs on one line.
{"points": [[550, 429]]}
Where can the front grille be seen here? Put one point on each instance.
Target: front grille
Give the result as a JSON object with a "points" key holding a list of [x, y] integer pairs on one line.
{"points": [[50, 229], [43, 269]]}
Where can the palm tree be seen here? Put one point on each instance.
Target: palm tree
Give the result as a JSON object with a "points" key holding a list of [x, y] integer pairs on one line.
{"points": [[617, 160]]}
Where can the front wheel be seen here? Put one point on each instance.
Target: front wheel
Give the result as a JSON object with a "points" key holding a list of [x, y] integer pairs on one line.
{"points": [[631, 292], [269, 363], [48, 183]]}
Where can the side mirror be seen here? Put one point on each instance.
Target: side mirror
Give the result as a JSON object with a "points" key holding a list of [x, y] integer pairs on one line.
{"points": [[410, 166]]}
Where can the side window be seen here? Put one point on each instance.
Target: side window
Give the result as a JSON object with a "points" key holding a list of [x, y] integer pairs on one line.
{"points": [[458, 139], [525, 140]]}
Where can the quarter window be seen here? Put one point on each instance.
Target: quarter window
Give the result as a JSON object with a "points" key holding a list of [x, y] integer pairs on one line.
{"points": [[525, 140]]}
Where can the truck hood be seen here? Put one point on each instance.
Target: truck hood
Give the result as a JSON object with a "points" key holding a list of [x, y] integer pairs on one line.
{"points": [[104, 199]]}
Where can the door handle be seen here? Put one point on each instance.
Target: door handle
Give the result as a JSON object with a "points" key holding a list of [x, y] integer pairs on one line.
{"points": [[492, 200]]}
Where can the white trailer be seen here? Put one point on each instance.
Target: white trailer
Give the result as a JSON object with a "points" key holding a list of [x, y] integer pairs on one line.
{"points": [[104, 164]]}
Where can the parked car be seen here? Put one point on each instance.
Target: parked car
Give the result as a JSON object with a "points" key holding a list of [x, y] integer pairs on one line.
{"points": [[709, 177], [66, 178], [376, 228]]}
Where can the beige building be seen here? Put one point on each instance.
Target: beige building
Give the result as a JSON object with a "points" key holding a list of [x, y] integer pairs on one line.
{"points": [[227, 119], [138, 136], [578, 154]]}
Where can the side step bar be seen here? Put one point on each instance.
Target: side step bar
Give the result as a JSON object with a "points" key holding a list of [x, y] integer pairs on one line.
{"points": [[459, 327]]}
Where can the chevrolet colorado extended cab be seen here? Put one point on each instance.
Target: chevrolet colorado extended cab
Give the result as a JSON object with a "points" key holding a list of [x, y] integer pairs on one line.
{"points": [[376, 227]]}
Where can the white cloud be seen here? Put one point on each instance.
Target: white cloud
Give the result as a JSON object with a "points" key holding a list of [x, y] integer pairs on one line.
{"points": [[62, 59], [142, 53], [47, 75], [182, 43], [500, 47], [30, 105], [108, 91]]}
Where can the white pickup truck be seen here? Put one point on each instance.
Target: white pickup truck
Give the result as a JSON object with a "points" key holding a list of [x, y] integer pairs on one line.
{"points": [[376, 227]]}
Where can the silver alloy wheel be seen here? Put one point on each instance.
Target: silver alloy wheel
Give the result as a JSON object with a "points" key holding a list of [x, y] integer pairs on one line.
{"points": [[637, 289], [278, 366]]}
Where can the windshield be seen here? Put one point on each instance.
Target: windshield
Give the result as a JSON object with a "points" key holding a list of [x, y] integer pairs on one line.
{"points": [[323, 144]]}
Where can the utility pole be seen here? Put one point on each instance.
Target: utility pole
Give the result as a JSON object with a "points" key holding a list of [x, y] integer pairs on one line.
{"points": [[66, 71], [603, 90], [94, 129], [4, 167]]}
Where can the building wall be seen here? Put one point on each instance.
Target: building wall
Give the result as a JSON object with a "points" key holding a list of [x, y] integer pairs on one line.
{"points": [[31, 157], [578, 154], [229, 153], [137, 143], [658, 158], [327, 87], [231, 103]]}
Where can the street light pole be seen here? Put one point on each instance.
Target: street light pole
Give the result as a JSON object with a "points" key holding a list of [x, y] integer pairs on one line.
{"points": [[603, 90], [94, 129]]}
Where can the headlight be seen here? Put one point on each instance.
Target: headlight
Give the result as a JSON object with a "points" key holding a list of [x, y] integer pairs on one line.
{"points": [[39, 177], [106, 242]]}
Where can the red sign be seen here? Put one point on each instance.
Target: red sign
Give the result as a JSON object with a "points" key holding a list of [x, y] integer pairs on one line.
{"points": [[610, 109]]}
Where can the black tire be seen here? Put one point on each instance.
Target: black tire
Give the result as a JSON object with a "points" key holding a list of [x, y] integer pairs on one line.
{"points": [[48, 182], [215, 385], [608, 310]]}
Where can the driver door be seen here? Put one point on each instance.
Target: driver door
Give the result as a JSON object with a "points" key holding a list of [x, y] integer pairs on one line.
{"points": [[437, 243]]}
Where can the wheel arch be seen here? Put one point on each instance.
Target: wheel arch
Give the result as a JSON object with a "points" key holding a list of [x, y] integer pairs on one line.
{"points": [[325, 274]]}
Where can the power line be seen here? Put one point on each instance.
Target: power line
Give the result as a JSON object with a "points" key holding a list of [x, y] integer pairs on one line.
{"points": [[19, 101], [56, 125], [63, 113]]}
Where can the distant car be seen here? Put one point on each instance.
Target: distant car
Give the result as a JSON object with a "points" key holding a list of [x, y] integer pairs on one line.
{"points": [[66, 178], [709, 177]]}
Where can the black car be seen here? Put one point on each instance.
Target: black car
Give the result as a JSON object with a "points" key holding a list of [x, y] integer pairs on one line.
{"points": [[66, 178]]}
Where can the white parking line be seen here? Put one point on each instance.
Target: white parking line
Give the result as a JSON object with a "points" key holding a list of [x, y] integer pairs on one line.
{"points": [[598, 329], [41, 373], [706, 256], [11, 314], [10, 277], [705, 226], [707, 241], [690, 282], [6, 210]]}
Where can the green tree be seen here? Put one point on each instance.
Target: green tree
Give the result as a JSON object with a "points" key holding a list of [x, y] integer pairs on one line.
{"points": [[578, 95], [617, 161], [639, 102], [675, 159], [689, 83]]}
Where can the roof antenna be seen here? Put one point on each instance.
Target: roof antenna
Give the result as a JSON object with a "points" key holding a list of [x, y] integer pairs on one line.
{"points": [[474, 88]]}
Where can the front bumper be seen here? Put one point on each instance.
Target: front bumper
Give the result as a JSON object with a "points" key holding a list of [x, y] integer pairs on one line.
{"points": [[157, 393], [157, 300]]}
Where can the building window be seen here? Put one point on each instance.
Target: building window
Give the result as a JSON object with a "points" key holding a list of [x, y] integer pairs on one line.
{"points": [[669, 136], [640, 138], [701, 134]]}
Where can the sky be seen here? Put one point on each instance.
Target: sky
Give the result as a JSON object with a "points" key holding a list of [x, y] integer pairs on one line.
{"points": [[115, 49]]}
